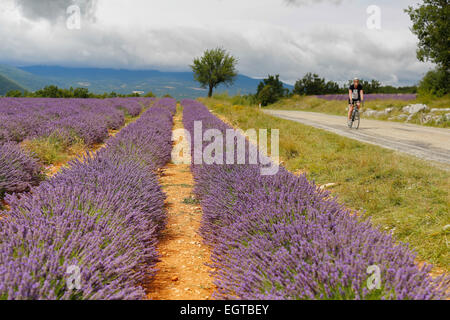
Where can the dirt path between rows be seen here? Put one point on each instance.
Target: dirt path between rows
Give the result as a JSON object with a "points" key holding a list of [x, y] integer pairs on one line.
{"points": [[182, 273]]}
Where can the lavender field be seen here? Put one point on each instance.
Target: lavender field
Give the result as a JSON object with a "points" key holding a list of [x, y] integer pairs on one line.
{"points": [[208, 159], [88, 119], [281, 237], [67, 120], [277, 237], [103, 212]]}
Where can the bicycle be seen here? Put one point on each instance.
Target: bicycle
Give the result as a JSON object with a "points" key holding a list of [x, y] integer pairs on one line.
{"points": [[355, 120]]}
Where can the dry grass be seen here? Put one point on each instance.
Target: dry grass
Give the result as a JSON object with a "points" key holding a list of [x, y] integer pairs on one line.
{"points": [[53, 150]]}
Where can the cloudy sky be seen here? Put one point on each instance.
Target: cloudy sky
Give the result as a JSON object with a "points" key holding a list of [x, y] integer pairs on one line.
{"points": [[286, 37]]}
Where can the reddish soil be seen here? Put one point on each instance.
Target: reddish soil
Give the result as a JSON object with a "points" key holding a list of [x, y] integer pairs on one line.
{"points": [[183, 273]]}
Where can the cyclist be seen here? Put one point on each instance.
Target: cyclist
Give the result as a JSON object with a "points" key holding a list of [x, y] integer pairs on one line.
{"points": [[355, 94]]}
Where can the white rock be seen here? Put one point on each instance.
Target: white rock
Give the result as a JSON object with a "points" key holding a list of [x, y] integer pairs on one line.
{"points": [[388, 110], [374, 113], [402, 117], [414, 108], [440, 109], [370, 113], [429, 118], [328, 185]]}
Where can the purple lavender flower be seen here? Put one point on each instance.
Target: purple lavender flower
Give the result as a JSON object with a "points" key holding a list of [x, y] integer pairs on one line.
{"points": [[281, 237], [68, 119], [19, 171], [103, 214], [88, 119]]}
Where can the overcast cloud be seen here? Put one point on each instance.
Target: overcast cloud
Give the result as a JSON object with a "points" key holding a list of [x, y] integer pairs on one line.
{"points": [[287, 37], [54, 10]]}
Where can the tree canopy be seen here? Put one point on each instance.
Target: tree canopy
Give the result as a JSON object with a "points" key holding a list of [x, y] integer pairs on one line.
{"points": [[312, 84], [431, 25], [215, 67], [53, 91], [271, 90]]}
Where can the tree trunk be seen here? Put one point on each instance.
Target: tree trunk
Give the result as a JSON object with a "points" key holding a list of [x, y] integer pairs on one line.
{"points": [[210, 91]]}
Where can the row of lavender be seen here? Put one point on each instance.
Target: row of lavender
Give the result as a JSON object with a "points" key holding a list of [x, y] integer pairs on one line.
{"points": [[101, 217], [370, 97], [19, 171], [68, 119], [280, 237], [87, 119]]}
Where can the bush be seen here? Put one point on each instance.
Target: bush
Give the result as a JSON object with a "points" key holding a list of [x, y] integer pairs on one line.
{"points": [[312, 84], [435, 82], [14, 94], [81, 93], [267, 95], [270, 90]]}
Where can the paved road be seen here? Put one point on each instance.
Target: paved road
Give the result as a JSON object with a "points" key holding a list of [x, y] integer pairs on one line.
{"points": [[420, 141]]}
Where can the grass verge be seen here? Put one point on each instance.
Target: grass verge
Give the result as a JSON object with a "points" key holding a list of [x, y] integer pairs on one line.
{"points": [[401, 194], [53, 150]]}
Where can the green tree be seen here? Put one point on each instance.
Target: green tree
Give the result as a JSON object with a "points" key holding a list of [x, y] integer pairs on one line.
{"points": [[434, 83], [81, 93], [28, 94], [14, 94], [50, 92], [266, 95], [270, 90], [312, 84], [431, 24], [215, 67], [308, 85], [374, 86], [332, 87]]}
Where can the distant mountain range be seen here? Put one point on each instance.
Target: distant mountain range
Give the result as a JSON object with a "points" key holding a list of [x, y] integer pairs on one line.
{"points": [[178, 84], [8, 85]]}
